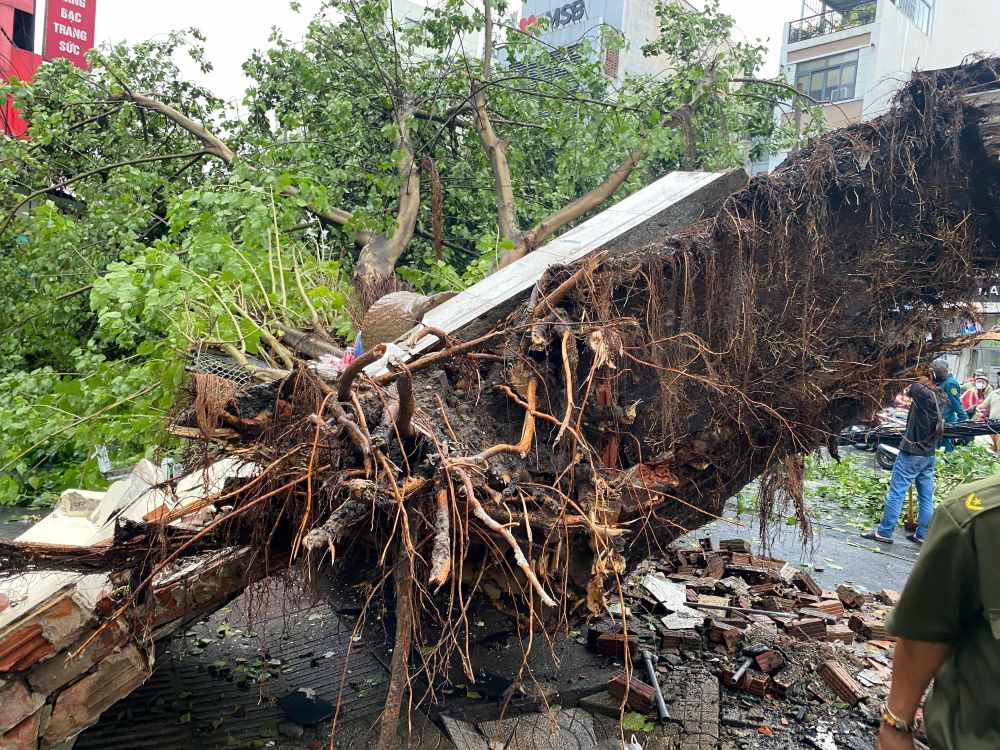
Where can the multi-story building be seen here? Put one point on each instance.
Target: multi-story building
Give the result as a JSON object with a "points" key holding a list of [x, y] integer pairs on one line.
{"points": [[406, 12], [853, 55], [67, 32], [570, 22]]}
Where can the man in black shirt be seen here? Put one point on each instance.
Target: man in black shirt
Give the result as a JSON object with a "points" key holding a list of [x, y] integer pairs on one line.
{"points": [[915, 463]]}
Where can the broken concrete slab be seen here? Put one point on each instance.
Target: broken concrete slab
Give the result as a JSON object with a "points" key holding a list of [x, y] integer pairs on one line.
{"points": [[668, 204], [560, 729], [672, 596], [79, 503], [464, 734]]}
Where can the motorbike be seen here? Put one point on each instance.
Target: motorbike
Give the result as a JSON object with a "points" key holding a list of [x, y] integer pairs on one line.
{"points": [[884, 437]]}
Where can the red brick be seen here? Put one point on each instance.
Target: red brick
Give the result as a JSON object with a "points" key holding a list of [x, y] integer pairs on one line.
{"points": [[17, 703], [23, 647], [24, 736], [81, 704]]}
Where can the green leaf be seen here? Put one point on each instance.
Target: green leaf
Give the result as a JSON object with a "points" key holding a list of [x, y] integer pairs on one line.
{"points": [[636, 722]]}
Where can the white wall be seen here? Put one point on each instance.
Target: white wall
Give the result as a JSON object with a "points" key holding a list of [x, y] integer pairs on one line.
{"points": [[962, 27], [900, 48], [641, 26], [959, 28]]}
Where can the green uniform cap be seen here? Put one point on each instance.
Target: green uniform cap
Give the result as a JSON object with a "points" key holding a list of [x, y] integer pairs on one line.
{"points": [[953, 596]]}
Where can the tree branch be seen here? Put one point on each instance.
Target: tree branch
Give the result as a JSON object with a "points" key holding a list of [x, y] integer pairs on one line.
{"points": [[90, 173], [215, 146], [379, 255], [495, 148], [212, 144], [573, 210]]}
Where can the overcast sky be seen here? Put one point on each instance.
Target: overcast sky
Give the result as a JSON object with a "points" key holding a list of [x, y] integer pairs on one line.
{"points": [[234, 28]]}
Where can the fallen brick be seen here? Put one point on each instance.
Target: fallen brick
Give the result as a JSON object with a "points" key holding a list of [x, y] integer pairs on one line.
{"points": [[25, 735], [736, 545], [870, 628], [726, 635], [615, 644], [680, 639], [808, 628], [805, 582], [751, 683], [805, 600], [770, 662], [888, 596], [715, 566], [765, 589], [60, 670], [819, 614], [833, 607], [715, 601], [637, 694], [843, 685], [782, 682], [840, 633], [850, 596], [23, 647], [776, 604]]}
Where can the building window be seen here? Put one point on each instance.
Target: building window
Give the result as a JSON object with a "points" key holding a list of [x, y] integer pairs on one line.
{"points": [[921, 12], [24, 30], [828, 79]]}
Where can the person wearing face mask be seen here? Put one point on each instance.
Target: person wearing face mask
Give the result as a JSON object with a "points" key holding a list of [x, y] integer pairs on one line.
{"points": [[976, 392], [989, 408]]}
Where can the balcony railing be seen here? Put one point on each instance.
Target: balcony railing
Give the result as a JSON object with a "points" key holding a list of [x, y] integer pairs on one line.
{"points": [[832, 21]]}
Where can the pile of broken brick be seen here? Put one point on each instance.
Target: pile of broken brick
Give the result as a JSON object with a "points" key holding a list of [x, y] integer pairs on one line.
{"points": [[764, 628]]}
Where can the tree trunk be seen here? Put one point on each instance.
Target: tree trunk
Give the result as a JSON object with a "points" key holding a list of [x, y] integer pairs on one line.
{"points": [[398, 673]]}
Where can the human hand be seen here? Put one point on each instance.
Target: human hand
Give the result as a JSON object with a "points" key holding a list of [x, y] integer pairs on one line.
{"points": [[891, 739]]}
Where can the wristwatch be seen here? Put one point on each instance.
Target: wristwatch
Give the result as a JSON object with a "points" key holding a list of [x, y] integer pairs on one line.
{"points": [[894, 722]]}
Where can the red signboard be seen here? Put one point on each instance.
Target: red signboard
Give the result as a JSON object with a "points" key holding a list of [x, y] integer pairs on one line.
{"points": [[69, 30]]}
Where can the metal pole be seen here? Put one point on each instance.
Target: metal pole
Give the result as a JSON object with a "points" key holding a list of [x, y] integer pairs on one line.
{"points": [[661, 705]]}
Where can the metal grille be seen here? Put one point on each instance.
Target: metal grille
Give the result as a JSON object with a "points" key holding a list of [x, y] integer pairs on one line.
{"points": [[223, 367]]}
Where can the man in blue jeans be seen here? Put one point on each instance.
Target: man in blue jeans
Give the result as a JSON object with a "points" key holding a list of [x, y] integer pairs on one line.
{"points": [[915, 463]]}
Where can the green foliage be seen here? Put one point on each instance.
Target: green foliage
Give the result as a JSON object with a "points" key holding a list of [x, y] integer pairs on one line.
{"points": [[636, 722], [133, 252], [862, 489]]}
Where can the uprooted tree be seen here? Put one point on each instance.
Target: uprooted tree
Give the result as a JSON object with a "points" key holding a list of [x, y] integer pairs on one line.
{"points": [[144, 220], [622, 406]]}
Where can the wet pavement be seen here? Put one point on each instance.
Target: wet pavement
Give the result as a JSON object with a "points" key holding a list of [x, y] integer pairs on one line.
{"points": [[14, 520], [835, 554]]}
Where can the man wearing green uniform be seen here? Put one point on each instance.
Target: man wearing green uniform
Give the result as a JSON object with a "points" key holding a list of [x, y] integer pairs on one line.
{"points": [[948, 627]]}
